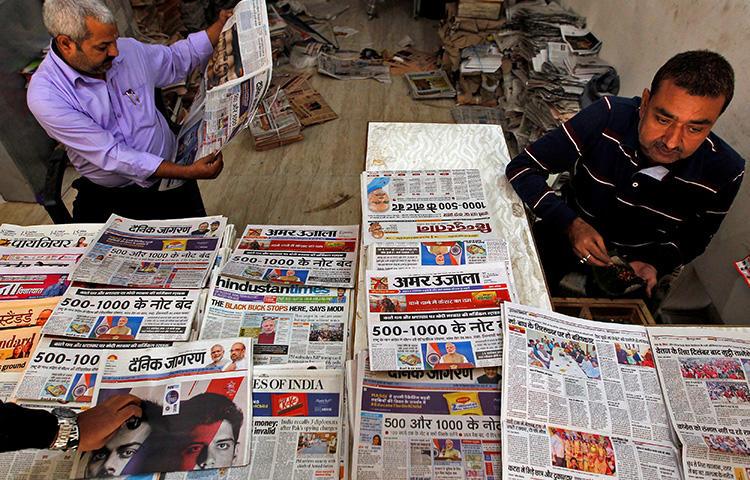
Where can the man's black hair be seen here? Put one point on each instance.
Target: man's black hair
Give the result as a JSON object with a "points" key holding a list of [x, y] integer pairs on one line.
{"points": [[700, 72], [207, 408]]}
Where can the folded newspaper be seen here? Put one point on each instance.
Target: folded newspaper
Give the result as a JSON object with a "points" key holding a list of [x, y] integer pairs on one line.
{"points": [[410, 205], [289, 323], [196, 409], [296, 255], [236, 79], [437, 318], [153, 253]]}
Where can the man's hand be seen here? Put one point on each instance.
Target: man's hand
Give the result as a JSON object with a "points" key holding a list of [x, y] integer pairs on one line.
{"points": [[207, 167], [98, 424], [587, 243], [647, 272], [214, 30]]}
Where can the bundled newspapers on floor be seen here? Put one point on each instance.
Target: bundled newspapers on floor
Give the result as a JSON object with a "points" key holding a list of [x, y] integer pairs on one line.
{"points": [[437, 318], [704, 373], [408, 205], [574, 406], [401, 255], [152, 253], [290, 323], [296, 255], [235, 81], [124, 314], [196, 412], [429, 424], [63, 370]]}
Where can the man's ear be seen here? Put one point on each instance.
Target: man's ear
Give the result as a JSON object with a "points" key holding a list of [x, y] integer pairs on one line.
{"points": [[645, 97], [65, 44]]}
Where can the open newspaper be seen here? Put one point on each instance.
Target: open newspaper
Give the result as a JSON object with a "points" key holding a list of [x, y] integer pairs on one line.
{"points": [[124, 314], [152, 253], [236, 79], [408, 205], [16, 347], [424, 425], [289, 323], [401, 255], [581, 400], [704, 373], [296, 255], [196, 414], [437, 318]]}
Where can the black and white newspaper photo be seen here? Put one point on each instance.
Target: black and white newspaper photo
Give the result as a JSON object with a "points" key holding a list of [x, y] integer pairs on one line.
{"points": [[296, 255], [407, 205], [401, 255], [196, 409], [571, 409], [429, 424], [153, 254], [437, 318], [288, 323], [124, 314]]}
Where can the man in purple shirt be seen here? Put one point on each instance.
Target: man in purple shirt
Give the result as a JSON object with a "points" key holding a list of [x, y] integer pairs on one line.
{"points": [[94, 93]]}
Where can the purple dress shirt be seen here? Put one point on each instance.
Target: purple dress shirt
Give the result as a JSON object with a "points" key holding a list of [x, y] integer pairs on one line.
{"points": [[111, 129]]}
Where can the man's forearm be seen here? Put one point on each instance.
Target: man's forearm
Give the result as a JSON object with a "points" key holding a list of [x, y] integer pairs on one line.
{"points": [[169, 169]]}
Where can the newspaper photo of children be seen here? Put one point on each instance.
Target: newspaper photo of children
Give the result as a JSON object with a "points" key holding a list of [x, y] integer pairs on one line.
{"points": [[728, 392], [225, 64], [585, 452], [727, 444], [562, 356], [634, 354], [718, 368]]}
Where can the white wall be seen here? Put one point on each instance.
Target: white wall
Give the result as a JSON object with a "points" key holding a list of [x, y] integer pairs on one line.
{"points": [[639, 36]]}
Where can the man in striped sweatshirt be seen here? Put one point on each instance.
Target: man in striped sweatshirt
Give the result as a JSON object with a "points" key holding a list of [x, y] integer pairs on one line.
{"points": [[648, 177]]}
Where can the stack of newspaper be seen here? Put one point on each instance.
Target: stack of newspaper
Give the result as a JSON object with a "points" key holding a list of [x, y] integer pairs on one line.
{"points": [[426, 85], [276, 124]]}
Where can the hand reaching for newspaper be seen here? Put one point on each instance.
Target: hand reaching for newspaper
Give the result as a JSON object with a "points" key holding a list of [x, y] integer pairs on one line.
{"points": [[647, 272], [215, 29], [207, 167], [588, 244], [98, 424]]}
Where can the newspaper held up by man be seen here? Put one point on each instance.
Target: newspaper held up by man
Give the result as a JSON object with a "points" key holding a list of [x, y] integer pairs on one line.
{"points": [[62, 370], [430, 205], [196, 413], [296, 255], [124, 314], [704, 373], [401, 255], [235, 81], [571, 409], [437, 318], [289, 323], [152, 253], [429, 424], [16, 346]]}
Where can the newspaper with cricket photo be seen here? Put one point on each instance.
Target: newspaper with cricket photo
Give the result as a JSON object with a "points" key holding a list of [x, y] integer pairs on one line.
{"points": [[196, 413], [236, 80], [152, 254], [429, 424], [124, 314], [435, 205], [296, 255], [704, 373], [581, 400], [289, 323], [437, 318], [62, 370], [400, 255]]}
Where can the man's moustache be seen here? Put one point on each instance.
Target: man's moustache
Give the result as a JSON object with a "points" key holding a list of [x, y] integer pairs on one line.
{"points": [[663, 146]]}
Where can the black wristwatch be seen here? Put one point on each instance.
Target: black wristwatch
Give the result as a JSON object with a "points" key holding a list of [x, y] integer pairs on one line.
{"points": [[67, 434]]}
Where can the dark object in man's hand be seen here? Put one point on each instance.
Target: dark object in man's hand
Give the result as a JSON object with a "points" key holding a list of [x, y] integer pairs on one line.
{"points": [[617, 279]]}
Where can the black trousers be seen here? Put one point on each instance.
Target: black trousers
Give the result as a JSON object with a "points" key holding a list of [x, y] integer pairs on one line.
{"points": [[94, 203]]}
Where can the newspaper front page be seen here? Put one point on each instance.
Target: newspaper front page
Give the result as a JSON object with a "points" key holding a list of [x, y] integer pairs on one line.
{"points": [[704, 373], [16, 345], [296, 255], [196, 414], [236, 79], [289, 323], [43, 237], [572, 409], [401, 255], [124, 314], [153, 254], [26, 313], [409, 205], [62, 370], [432, 319], [427, 425]]}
